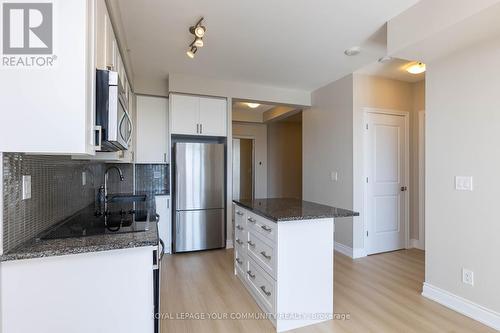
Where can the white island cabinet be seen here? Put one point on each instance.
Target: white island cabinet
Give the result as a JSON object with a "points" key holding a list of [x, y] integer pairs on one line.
{"points": [[286, 262]]}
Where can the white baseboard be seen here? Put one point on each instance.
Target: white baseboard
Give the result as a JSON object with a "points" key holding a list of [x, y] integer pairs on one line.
{"points": [[344, 249], [415, 244], [349, 251], [358, 253], [229, 244], [462, 305]]}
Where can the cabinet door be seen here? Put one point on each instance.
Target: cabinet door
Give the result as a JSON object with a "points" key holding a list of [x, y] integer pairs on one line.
{"points": [[213, 116], [185, 114], [100, 34], [151, 130], [109, 43]]}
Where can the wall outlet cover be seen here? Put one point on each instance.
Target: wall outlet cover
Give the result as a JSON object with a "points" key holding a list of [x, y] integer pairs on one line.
{"points": [[26, 187], [467, 276]]}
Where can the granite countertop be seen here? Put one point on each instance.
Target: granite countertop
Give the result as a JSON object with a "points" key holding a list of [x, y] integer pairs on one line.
{"points": [[287, 209], [37, 248]]}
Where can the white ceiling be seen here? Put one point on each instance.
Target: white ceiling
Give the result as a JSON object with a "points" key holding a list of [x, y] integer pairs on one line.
{"points": [[295, 44], [393, 69]]}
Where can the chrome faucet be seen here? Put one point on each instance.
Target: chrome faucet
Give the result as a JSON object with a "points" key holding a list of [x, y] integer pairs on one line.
{"points": [[106, 184]]}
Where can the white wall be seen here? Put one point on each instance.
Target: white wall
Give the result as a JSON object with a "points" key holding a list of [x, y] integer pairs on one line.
{"points": [[259, 133], [463, 136], [238, 90], [333, 132], [327, 146]]}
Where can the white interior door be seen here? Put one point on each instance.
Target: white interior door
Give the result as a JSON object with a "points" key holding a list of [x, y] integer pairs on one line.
{"points": [[386, 153]]}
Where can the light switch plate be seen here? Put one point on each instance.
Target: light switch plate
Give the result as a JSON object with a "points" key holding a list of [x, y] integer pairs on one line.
{"points": [[26, 187], [334, 176], [463, 183]]}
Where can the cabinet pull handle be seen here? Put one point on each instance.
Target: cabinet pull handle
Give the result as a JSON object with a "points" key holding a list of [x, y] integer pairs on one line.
{"points": [[239, 242], [239, 227], [201, 128], [263, 288], [198, 128], [252, 220], [251, 244], [266, 228], [251, 274], [263, 253], [239, 261], [98, 138], [165, 157], [239, 213]]}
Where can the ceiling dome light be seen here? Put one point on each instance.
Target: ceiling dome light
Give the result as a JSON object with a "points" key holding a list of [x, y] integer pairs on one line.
{"points": [[199, 31], [355, 50], [198, 42], [190, 53], [385, 59], [253, 105], [416, 68]]}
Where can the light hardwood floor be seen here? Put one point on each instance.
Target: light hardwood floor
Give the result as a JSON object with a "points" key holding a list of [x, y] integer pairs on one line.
{"points": [[381, 293]]}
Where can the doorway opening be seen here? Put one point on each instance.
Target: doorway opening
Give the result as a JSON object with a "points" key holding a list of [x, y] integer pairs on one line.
{"points": [[243, 170]]}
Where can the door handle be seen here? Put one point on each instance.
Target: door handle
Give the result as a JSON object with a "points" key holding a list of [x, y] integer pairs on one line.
{"points": [[404, 188]]}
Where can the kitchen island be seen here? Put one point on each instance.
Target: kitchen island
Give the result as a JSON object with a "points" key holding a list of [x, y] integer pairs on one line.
{"points": [[284, 257]]}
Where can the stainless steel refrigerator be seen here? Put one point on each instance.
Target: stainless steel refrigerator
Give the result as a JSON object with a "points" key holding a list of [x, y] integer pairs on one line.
{"points": [[199, 196]]}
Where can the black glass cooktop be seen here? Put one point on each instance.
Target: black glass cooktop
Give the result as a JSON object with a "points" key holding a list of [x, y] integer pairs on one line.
{"points": [[90, 223]]}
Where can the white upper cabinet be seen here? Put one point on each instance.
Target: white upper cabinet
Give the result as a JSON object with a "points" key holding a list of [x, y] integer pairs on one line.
{"points": [[151, 130], [213, 119], [184, 111], [48, 107], [194, 115]]}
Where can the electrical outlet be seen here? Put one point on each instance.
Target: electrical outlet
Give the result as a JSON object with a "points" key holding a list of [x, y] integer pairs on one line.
{"points": [[156, 174], [84, 178], [26, 187], [467, 276], [463, 183]]}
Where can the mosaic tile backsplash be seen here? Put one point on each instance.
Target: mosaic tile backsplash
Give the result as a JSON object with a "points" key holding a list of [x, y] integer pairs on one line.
{"points": [[57, 191], [151, 179]]}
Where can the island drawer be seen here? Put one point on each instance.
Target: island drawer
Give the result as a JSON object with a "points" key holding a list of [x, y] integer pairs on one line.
{"points": [[263, 252], [261, 225], [240, 239], [241, 263], [262, 286]]}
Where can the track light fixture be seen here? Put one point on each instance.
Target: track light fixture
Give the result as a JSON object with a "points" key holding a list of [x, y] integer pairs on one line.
{"points": [[199, 32]]}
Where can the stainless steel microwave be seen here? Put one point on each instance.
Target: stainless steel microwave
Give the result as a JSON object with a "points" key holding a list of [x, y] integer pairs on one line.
{"points": [[113, 123]]}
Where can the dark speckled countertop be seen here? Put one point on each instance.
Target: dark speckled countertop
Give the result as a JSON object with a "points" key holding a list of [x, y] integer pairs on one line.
{"points": [[287, 209], [37, 248]]}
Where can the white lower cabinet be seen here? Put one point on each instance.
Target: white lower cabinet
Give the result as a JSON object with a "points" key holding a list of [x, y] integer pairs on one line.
{"points": [[287, 267], [108, 291]]}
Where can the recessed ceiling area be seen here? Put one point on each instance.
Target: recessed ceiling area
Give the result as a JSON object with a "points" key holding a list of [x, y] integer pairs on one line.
{"points": [[296, 45], [264, 113], [393, 69]]}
